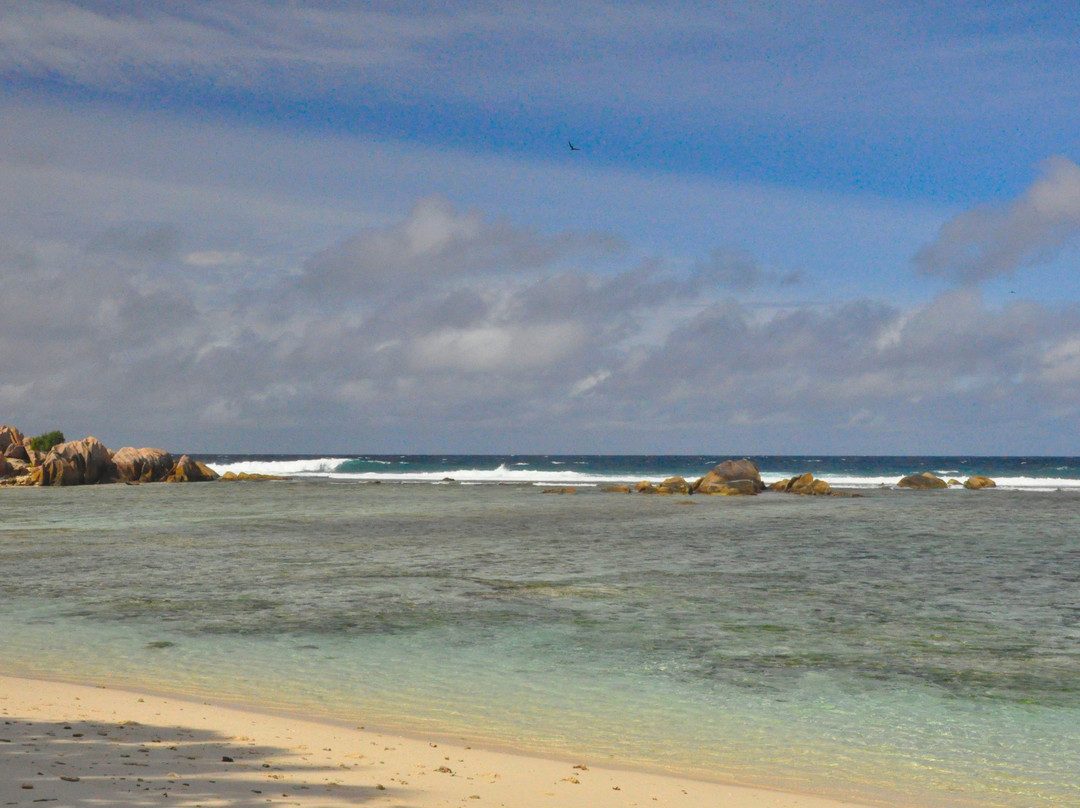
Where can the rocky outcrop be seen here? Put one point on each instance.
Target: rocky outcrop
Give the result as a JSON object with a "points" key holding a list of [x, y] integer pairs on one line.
{"points": [[17, 451], [804, 484], [187, 470], [142, 465], [922, 482], [77, 462], [566, 490], [88, 462], [15, 467], [731, 478], [617, 489], [645, 487], [978, 482], [10, 436]]}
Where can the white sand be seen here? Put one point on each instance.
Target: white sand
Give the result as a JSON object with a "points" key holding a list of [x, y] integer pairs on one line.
{"points": [[92, 747]]}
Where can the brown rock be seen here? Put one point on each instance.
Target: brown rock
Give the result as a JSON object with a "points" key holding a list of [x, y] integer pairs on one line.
{"points": [[736, 488], [208, 472], [18, 467], [559, 491], [78, 462], [807, 485], [781, 485], [804, 484], [730, 478], [923, 482], [617, 489], [8, 436], [232, 476], [676, 485], [645, 487], [17, 451], [142, 465], [977, 482], [6, 469], [187, 470]]}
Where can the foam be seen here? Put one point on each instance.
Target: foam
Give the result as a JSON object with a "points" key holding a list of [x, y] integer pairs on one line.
{"points": [[520, 473], [318, 467]]}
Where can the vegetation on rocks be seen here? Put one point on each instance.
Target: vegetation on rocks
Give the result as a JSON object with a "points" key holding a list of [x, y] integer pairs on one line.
{"points": [[46, 441]]}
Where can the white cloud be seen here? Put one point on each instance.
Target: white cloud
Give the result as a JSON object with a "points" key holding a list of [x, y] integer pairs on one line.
{"points": [[989, 241], [506, 348], [589, 382]]}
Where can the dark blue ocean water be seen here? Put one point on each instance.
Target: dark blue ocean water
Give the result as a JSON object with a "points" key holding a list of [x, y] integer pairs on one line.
{"points": [[844, 471]]}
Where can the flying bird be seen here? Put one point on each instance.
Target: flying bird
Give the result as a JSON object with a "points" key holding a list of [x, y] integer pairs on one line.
{"points": [[572, 146]]}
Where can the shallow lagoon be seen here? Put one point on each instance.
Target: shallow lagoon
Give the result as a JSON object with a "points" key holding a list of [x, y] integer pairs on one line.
{"points": [[904, 647]]}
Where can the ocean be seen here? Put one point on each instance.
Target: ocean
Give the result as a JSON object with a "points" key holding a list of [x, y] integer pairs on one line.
{"points": [[899, 647]]}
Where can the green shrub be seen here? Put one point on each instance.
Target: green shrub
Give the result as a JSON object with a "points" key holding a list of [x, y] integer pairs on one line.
{"points": [[42, 443]]}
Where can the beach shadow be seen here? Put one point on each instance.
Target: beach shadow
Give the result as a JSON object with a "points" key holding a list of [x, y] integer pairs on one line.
{"points": [[109, 765]]}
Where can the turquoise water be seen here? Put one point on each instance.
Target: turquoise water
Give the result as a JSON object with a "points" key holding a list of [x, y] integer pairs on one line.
{"points": [[903, 647]]}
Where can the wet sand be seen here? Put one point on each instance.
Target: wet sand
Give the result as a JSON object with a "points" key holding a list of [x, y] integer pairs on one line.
{"points": [[81, 745]]}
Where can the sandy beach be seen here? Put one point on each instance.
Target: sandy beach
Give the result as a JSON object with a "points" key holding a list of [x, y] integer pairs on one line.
{"points": [[81, 745]]}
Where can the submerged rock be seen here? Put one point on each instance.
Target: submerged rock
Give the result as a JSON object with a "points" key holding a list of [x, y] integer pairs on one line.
{"points": [[232, 476]]}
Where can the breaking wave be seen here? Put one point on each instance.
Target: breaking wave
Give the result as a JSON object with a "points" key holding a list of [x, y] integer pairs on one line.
{"points": [[857, 473]]}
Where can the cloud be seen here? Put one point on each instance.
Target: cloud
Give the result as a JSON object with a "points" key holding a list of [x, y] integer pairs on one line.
{"points": [[738, 271], [508, 349], [988, 241], [448, 329], [861, 371], [439, 244]]}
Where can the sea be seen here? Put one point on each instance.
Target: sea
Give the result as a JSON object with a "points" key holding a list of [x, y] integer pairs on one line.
{"points": [[894, 647]]}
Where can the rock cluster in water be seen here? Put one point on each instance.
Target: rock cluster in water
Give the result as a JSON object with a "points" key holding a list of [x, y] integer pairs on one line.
{"points": [[89, 462], [742, 478], [732, 478]]}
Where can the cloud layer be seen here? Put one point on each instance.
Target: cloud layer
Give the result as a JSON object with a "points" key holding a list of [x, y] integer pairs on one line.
{"points": [[448, 330], [988, 241]]}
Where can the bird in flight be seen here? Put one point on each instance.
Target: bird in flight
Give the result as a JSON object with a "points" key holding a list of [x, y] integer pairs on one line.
{"points": [[572, 146]]}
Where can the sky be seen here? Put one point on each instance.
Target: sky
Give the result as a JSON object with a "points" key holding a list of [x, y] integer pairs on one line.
{"points": [[358, 227]]}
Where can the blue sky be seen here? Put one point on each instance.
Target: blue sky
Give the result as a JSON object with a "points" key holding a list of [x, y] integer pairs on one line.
{"points": [[789, 228]]}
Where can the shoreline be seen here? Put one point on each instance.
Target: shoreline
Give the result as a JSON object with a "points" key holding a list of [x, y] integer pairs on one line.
{"points": [[83, 744]]}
